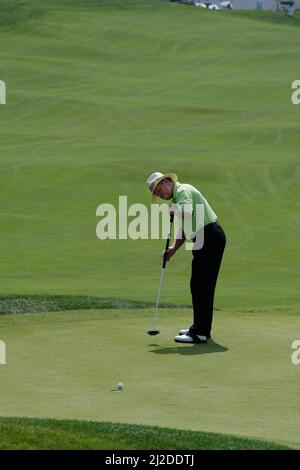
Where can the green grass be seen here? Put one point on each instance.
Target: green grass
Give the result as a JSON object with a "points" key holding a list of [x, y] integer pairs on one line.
{"points": [[100, 96], [270, 17], [54, 303], [33, 434], [65, 365]]}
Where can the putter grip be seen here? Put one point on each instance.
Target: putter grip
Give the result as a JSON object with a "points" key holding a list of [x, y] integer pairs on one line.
{"points": [[168, 239]]}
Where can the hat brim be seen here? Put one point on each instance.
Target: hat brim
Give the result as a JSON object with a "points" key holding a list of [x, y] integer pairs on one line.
{"points": [[172, 176]]}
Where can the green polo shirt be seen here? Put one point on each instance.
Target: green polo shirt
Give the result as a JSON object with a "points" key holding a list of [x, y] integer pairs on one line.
{"points": [[186, 198]]}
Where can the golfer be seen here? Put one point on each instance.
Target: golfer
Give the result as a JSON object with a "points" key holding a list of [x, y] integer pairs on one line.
{"points": [[209, 243]]}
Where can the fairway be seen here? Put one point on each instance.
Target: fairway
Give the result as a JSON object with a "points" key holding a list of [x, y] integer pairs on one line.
{"points": [[99, 97], [100, 94], [67, 364]]}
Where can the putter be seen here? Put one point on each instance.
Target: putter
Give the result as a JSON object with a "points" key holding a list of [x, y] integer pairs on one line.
{"points": [[154, 331]]}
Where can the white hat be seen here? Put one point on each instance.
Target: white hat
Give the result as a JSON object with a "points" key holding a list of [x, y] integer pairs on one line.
{"points": [[157, 177]]}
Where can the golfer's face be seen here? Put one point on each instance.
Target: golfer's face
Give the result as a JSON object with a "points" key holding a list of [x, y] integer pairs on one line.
{"points": [[164, 189]]}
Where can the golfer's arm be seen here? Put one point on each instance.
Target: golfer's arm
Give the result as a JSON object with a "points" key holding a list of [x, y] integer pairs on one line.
{"points": [[179, 240], [179, 212]]}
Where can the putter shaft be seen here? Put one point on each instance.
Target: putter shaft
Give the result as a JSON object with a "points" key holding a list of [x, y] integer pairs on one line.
{"points": [[158, 297], [162, 273]]}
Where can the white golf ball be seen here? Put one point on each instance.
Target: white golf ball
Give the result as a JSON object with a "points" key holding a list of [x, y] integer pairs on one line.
{"points": [[120, 386]]}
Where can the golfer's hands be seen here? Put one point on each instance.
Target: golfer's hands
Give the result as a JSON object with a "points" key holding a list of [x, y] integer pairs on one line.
{"points": [[173, 210], [167, 254]]}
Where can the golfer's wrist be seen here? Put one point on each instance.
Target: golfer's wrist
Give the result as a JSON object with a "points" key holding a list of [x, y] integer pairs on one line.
{"points": [[178, 243]]}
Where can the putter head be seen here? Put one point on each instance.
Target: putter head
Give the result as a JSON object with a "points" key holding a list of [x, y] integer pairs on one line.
{"points": [[153, 332]]}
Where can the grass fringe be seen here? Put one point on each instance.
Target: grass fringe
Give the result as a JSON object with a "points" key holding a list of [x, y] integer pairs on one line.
{"points": [[34, 433], [10, 304]]}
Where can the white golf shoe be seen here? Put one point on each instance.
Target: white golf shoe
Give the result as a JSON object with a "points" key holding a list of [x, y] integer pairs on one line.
{"points": [[186, 332], [190, 339], [183, 332]]}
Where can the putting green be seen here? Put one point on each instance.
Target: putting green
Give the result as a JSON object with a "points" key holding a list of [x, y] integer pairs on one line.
{"points": [[66, 365]]}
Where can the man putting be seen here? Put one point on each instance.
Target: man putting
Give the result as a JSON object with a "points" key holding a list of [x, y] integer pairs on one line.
{"points": [[209, 244]]}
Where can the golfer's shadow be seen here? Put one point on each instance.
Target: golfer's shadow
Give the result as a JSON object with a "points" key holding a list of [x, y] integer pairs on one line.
{"points": [[191, 349]]}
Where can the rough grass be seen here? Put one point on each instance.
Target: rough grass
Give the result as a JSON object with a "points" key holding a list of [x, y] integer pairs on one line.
{"points": [[46, 434], [54, 303], [96, 96]]}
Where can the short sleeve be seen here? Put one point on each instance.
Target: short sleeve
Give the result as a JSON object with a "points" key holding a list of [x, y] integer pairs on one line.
{"points": [[185, 202]]}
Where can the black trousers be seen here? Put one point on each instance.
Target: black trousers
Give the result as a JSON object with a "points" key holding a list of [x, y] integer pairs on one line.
{"points": [[205, 269]]}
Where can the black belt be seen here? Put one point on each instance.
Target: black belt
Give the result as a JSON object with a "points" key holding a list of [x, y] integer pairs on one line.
{"points": [[208, 227]]}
